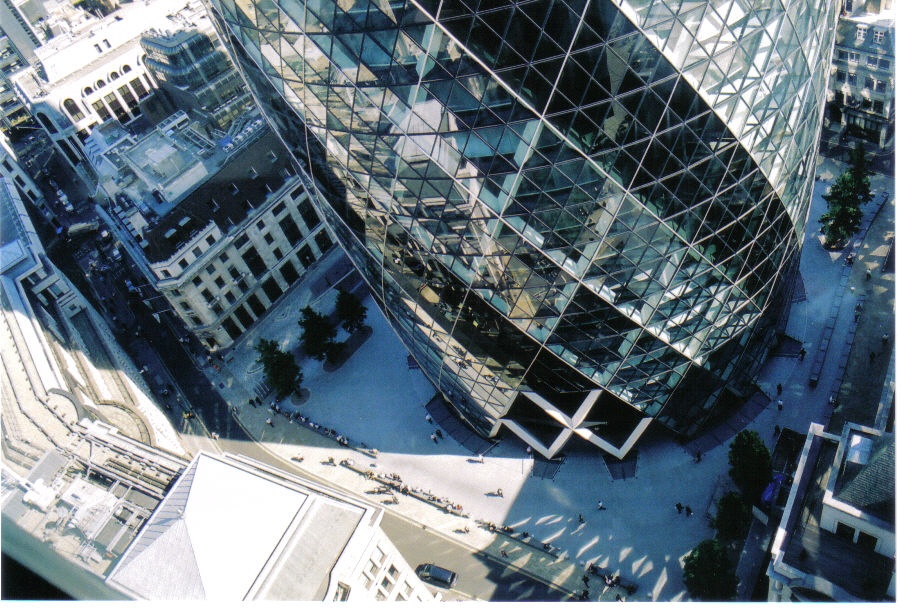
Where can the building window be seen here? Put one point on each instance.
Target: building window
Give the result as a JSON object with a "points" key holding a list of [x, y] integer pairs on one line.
{"points": [[261, 225], [277, 253], [166, 274], [196, 251], [852, 79], [861, 32], [220, 282], [197, 281], [885, 64], [872, 62], [217, 308], [323, 241], [843, 55], [207, 295], [268, 238], [278, 209], [210, 269], [183, 264], [878, 36], [233, 272], [869, 83], [210, 240], [878, 107], [393, 572], [73, 109], [290, 230], [185, 306], [840, 76], [241, 241], [230, 298], [342, 592], [223, 258], [879, 86], [853, 57]]}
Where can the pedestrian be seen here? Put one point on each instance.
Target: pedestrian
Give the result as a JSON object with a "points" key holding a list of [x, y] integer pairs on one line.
{"points": [[620, 599], [885, 338], [778, 388], [500, 492], [872, 356], [269, 423], [779, 405], [428, 419], [678, 508], [434, 438], [802, 353], [585, 579], [504, 553], [832, 400], [601, 505], [776, 430], [698, 457], [581, 519], [688, 511], [439, 434], [868, 274]]}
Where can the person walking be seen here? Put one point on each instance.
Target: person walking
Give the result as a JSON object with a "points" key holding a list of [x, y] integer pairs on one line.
{"points": [[500, 492], [779, 405], [678, 508], [581, 519], [439, 434], [504, 553], [779, 389], [688, 511], [428, 419], [434, 438], [601, 505]]}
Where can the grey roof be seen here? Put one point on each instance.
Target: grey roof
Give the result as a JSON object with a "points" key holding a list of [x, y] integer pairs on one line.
{"points": [[871, 487]]}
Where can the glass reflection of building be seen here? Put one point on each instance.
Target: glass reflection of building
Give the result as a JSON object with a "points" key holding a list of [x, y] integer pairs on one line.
{"points": [[579, 217]]}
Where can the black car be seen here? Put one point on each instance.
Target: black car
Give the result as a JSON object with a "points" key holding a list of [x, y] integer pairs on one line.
{"points": [[436, 575]]}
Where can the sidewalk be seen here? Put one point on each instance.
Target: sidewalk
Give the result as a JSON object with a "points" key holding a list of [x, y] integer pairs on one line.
{"points": [[376, 399]]}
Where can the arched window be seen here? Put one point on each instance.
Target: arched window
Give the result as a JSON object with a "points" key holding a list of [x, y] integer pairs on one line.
{"points": [[126, 69], [87, 91], [74, 111], [113, 75], [100, 83]]}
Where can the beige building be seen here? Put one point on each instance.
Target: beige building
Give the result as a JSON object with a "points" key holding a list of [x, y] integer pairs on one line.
{"points": [[93, 70], [221, 232], [861, 92], [836, 539], [234, 529]]}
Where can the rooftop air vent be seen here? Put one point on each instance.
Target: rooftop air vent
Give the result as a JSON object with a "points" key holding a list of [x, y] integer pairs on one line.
{"points": [[184, 220]]}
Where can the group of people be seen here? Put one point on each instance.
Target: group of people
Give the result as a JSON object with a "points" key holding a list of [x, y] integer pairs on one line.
{"points": [[684, 508]]}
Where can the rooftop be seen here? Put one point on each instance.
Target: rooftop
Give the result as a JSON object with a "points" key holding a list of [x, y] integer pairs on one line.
{"points": [[191, 549], [866, 480], [225, 198]]}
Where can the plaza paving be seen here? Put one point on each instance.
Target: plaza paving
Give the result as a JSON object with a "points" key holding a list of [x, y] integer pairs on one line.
{"points": [[376, 399]]}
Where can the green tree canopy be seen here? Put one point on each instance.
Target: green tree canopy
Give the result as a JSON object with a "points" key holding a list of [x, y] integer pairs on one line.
{"points": [[860, 174], [708, 572], [350, 311], [750, 469], [282, 372], [318, 338], [733, 516], [845, 196]]}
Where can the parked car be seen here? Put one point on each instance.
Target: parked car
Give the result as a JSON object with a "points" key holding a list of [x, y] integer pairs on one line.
{"points": [[436, 575]]}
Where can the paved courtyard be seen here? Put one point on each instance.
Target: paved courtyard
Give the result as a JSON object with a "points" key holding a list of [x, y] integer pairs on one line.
{"points": [[376, 399]]}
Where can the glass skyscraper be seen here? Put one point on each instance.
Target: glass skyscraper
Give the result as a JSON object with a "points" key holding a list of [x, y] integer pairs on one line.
{"points": [[580, 216]]}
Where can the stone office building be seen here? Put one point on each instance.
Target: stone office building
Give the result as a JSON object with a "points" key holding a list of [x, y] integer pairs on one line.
{"points": [[221, 235]]}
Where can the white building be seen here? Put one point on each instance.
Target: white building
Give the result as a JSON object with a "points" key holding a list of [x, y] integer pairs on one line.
{"points": [[233, 529], [836, 540], [93, 70], [12, 171]]}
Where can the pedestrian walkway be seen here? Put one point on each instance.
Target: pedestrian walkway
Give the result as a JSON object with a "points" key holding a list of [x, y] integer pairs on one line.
{"points": [[380, 402]]}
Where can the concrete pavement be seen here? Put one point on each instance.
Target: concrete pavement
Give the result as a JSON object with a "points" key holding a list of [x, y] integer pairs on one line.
{"points": [[374, 398]]}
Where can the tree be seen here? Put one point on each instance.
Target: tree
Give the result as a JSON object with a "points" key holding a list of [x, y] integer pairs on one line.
{"points": [[282, 372], [860, 175], [708, 572], [750, 464], [733, 515], [842, 218], [318, 334], [350, 311]]}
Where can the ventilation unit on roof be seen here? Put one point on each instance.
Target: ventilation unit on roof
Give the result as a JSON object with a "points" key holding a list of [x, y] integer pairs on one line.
{"points": [[253, 172], [184, 220], [272, 157], [235, 189], [170, 233], [213, 205]]}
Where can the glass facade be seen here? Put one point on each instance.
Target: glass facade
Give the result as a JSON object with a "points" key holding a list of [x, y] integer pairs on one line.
{"points": [[580, 216]]}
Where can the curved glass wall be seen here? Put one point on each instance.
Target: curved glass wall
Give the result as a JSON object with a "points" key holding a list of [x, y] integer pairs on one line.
{"points": [[580, 216]]}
